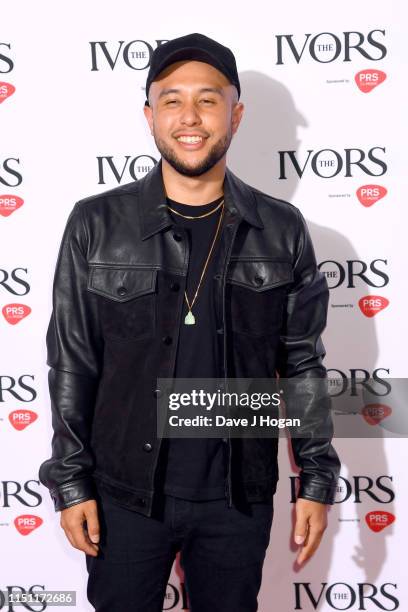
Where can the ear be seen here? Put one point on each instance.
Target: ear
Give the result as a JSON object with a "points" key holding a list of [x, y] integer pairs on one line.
{"points": [[237, 112], [148, 113]]}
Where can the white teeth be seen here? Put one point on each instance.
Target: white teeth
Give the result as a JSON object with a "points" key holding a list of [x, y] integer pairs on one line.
{"points": [[190, 139]]}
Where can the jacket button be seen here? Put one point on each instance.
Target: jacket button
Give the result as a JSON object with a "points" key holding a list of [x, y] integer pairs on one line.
{"points": [[259, 280], [141, 501], [220, 330], [167, 340], [233, 211], [177, 237], [217, 276], [122, 290], [174, 286], [157, 393], [147, 447]]}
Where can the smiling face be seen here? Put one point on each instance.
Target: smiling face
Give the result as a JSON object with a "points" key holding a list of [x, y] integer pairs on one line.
{"points": [[193, 114]]}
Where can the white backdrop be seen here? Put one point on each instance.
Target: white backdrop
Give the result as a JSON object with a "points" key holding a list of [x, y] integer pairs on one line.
{"points": [[74, 126]]}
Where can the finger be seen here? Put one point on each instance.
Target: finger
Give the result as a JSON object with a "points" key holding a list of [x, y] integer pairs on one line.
{"points": [[74, 528], [301, 526], [92, 524], [81, 541], [74, 544], [313, 541]]}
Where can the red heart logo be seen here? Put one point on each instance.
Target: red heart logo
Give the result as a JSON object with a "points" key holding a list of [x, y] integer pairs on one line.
{"points": [[367, 80], [21, 418], [377, 520], [370, 305], [370, 194], [26, 523], [6, 90], [9, 203], [14, 313], [375, 413]]}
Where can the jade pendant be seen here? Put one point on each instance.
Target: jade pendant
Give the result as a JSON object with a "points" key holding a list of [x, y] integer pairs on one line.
{"points": [[190, 318]]}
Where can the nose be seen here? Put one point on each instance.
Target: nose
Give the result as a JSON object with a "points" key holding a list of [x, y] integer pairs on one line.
{"points": [[190, 115]]}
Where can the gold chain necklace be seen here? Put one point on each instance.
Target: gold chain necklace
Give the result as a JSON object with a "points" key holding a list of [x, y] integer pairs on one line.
{"points": [[190, 318], [198, 216]]}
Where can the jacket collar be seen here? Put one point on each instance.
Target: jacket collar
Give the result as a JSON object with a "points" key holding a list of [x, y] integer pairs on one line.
{"points": [[153, 204]]}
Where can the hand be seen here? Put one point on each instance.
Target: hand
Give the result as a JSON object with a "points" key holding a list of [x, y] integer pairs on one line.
{"points": [[72, 522], [311, 523]]}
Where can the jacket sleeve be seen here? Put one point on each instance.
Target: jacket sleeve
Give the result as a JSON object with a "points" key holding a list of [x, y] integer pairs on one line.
{"points": [[300, 361], [74, 349]]}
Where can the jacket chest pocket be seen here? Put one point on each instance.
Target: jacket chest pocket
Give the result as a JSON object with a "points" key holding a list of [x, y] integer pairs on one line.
{"points": [[127, 300], [256, 293]]}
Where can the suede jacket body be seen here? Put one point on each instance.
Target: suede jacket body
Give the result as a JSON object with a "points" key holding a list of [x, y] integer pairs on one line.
{"points": [[118, 296]]}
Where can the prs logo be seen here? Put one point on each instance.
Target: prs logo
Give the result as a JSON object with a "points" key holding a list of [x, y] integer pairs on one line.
{"points": [[375, 413], [9, 204], [370, 194], [377, 520], [14, 313], [6, 90], [371, 305], [20, 419], [27, 523], [367, 80]]}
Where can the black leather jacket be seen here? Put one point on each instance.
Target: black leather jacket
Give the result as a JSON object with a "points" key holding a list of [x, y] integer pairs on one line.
{"points": [[117, 303]]}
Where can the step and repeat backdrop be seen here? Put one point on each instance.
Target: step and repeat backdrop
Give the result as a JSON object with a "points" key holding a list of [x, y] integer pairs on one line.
{"points": [[324, 88]]}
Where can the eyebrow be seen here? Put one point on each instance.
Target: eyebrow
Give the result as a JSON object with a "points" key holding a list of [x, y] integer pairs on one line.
{"points": [[216, 90]]}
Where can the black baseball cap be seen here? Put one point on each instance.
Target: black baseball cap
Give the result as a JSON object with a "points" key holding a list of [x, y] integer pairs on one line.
{"points": [[193, 47]]}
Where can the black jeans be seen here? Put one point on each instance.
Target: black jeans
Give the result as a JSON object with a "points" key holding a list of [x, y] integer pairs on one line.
{"points": [[222, 552]]}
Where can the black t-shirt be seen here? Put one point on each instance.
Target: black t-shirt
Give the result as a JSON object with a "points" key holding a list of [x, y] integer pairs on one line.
{"points": [[196, 468]]}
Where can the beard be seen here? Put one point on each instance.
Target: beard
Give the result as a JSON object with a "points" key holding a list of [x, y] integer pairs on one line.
{"points": [[217, 151]]}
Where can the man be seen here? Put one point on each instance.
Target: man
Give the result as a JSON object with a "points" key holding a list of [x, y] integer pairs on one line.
{"points": [[187, 273]]}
